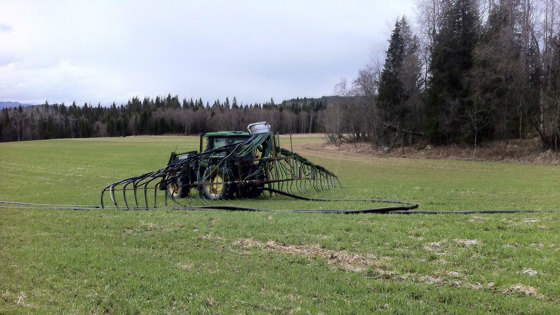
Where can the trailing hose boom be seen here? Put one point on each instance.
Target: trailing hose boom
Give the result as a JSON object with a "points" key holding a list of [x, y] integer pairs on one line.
{"points": [[234, 165]]}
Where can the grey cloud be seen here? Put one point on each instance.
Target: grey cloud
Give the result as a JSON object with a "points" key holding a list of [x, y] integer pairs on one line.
{"points": [[195, 49]]}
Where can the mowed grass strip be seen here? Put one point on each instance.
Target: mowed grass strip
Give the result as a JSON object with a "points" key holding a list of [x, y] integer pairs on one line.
{"points": [[222, 262]]}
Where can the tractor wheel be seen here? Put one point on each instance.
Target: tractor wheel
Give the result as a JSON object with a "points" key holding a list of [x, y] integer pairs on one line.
{"points": [[175, 188], [214, 184]]}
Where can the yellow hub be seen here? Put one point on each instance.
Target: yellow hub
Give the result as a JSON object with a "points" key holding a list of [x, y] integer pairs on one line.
{"points": [[216, 186], [174, 189]]}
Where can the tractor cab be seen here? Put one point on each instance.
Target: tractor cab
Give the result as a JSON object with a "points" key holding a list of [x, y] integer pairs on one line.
{"points": [[219, 139]]}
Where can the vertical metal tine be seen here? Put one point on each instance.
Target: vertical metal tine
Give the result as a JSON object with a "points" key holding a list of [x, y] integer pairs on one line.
{"points": [[103, 193], [295, 177], [314, 181], [146, 195], [113, 196], [303, 182], [201, 186], [285, 175], [165, 194], [298, 185], [298, 179], [124, 194], [135, 187], [305, 174], [331, 181], [291, 175], [155, 194], [278, 183], [146, 190], [321, 179], [275, 174]]}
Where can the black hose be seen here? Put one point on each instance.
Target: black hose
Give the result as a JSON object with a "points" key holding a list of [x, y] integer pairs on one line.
{"points": [[405, 209]]}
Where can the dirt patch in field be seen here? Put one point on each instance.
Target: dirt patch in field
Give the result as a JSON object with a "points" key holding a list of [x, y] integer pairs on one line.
{"points": [[520, 288], [15, 298], [341, 259], [377, 267], [530, 272], [187, 266], [467, 242], [514, 151], [530, 220]]}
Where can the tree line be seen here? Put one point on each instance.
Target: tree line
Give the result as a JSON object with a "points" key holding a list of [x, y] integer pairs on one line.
{"points": [[472, 72], [156, 116]]}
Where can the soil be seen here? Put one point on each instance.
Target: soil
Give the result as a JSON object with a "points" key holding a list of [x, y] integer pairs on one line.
{"points": [[513, 151]]}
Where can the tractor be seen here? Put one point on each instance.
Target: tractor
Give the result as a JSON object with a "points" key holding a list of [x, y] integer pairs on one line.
{"points": [[234, 164], [224, 182]]}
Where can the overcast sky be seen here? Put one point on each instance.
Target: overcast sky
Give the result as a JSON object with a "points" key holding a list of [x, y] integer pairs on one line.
{"points": [[104, 51]]}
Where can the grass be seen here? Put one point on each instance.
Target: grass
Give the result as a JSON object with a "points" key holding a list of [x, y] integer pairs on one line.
{"points": [[58, 261]]}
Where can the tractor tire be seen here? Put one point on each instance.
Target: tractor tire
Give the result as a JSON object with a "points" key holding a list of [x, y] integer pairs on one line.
{"points": [[214, 185], [176, 188]]}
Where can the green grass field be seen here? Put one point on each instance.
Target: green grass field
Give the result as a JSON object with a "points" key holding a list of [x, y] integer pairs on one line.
{"points": [[160, 261]]}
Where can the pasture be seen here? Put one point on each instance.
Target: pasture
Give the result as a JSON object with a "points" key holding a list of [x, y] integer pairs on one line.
{"points": [[155, 261]]}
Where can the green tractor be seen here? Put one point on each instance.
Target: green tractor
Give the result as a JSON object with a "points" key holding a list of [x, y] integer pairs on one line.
{"points": [[234, 164], [223, 182]]}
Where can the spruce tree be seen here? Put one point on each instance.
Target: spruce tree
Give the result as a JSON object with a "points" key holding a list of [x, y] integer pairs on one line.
{"points": [[451, 61], [391, 96], [399, 81]]}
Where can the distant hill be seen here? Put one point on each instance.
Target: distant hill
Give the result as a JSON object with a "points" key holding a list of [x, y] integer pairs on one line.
{"points": [[12, 104]]}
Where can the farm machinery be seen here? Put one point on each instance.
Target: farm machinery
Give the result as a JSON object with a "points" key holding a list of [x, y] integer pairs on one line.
{"points": [[233, 165]]}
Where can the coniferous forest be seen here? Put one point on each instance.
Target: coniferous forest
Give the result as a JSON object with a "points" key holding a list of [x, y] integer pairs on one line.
{"points": [[162, 115], [460, 72]]}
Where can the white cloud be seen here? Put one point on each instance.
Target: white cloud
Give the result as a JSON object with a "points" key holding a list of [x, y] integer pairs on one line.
{"points": [[58, 82], [111, 50]]}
